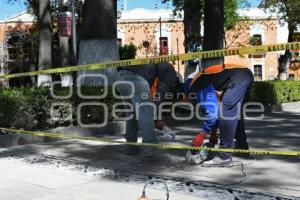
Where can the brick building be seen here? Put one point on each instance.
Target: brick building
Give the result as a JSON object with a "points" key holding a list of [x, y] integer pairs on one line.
{"points": [[148, 28], [16, 44]]}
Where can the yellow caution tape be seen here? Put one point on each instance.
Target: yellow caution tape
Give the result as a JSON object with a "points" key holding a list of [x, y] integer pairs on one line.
{"points": [[160, 59], [158, 146]]}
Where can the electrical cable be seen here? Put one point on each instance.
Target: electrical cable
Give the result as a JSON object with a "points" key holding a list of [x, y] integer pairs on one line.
{"points": [[152, 182]]}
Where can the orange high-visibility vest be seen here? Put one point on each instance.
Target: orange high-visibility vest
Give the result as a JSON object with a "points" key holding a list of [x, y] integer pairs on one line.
{"points": [[216, 69], [154, 86]]}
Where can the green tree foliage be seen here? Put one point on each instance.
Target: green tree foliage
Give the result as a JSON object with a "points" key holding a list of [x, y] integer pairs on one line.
{"points": [[231, 7], [128, 51], [231, 15], [287, 11], [193, 10], [33, 7]]}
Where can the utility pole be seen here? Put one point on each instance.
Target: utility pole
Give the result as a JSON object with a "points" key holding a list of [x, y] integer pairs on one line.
{"points": [[160, 35], [178, 64]]}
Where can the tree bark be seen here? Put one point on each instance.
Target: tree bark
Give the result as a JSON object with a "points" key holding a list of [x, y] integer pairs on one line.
{"points": [[284, 60], [66, 78], [192, 29], [45, 43], [98, 38], [213, 30], [64, 49], [192, 22]]}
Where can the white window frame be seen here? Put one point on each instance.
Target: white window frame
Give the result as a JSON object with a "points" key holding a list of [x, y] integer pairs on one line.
{"points": [[165, 32], [121, 35], [258, 29]]}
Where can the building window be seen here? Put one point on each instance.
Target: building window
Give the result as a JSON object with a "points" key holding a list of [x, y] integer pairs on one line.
{"points": [[256, 40], [164, 49], [257, 72], [296, 37], [119, 42], [295, 54]]}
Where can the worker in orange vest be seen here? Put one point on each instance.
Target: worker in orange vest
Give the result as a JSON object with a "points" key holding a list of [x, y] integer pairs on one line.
{"points": [[232, 82]]}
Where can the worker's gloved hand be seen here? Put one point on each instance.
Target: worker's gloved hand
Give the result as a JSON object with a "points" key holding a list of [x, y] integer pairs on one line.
{"points": [[199, 139]]}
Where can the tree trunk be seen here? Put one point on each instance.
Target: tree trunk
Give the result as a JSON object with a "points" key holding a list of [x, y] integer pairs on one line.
{"points": [[64, 49], [192, 22], [45, 43], [192, 29], [284, 60], [98, 38], [213, 30], [66, 78]]}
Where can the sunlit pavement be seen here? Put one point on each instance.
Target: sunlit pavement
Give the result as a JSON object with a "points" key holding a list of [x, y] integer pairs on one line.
{"points": [[94, 170]]}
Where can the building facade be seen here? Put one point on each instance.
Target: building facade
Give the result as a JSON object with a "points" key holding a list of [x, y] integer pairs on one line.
{"points": [[16, 45], [159, 31]]}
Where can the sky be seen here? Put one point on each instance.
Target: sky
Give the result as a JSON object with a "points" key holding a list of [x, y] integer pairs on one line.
{"points": [[9, 9]]}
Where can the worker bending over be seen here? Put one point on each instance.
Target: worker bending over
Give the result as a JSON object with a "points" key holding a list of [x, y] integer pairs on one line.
{"points": [[231, 82]]}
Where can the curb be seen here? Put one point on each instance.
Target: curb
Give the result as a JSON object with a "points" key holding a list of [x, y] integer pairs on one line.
{"points": [[292, 107]]}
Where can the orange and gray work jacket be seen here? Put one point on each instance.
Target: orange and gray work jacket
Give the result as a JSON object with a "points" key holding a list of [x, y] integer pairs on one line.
{"points": [[220, 76], [208, 86], [161, 77]]}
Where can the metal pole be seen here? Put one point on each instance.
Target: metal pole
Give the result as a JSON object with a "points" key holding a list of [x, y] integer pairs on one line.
{"points": [[74, 36], [177, 54], [160, 34]]}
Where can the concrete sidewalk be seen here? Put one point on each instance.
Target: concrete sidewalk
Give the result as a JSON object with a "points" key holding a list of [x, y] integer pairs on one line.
{"points": [[21, 181], [73, 169]]}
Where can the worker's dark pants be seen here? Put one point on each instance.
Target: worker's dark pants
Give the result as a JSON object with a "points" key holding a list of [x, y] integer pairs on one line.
{"points": [[240, 135], [231, 121]]}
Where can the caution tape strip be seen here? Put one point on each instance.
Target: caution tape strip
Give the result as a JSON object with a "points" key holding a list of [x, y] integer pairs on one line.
{"points": [[160, 59], [158, 146]]}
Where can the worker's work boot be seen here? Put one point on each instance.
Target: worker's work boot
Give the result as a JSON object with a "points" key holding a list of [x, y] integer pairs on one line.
{"points": [[166, 135], [218, 162], [199, 157], [193, 156], [169, 132]]}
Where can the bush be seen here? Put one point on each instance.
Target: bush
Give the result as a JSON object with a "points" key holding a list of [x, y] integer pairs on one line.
{"points": [[275, 92], [127, 51], [29, 108]]}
